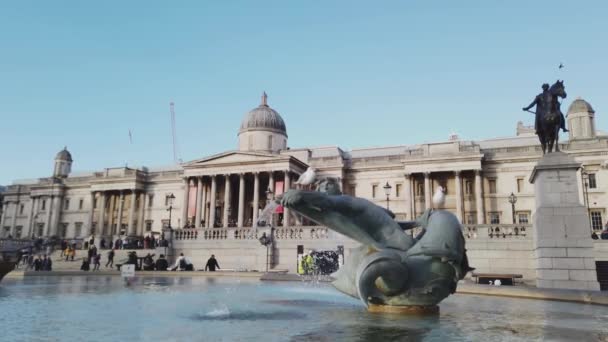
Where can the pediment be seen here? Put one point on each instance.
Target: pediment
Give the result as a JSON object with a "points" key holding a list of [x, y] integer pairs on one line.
{"points": [[235, 157]]}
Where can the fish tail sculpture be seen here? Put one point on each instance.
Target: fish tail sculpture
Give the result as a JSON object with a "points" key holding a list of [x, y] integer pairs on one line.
{"points": [[390, 268]]}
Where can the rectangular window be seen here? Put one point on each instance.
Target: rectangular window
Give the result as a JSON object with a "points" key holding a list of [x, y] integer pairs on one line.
{"points": [[43, 205], [149, 225], [592, 181], [270, 142], [596, 219], [494, 217], [66, 205], [95, 203], [353, 190], [492, 185], [167, 201], [40, 229], [64, 230], [137, 203], [520, 184], [471, 218], [6, 232], [165, 224], [420, 189], [80, 204], [21, 207], [523, 218], [93, 228], [468, 187], [18, 231], [374, 190], [398, 190], [78, 229], [150, 201]]}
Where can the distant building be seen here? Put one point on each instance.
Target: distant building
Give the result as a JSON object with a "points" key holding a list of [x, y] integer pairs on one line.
{"points": [[229, 189]]}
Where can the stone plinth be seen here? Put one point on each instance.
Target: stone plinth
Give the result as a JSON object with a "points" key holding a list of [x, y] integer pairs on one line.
{"points": [[562, 241]]}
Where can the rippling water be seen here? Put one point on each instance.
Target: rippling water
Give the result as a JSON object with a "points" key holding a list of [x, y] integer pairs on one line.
{"points": [[207, 309]]}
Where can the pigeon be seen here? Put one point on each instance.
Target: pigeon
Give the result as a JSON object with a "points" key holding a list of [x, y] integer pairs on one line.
{"points": [[561, 65], [497, 282], [439, 197], [307, 177]]}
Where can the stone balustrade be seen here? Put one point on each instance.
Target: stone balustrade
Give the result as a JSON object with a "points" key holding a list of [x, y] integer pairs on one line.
{"points": [[13, 244], [240, 233], [497, 231]]}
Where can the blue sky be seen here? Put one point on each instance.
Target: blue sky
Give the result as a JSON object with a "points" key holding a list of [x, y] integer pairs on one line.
{"points": [[346, 73]]}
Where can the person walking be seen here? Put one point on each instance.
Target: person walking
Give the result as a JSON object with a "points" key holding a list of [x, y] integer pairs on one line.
{"points": [[97, 262], [110, 258], [212, 264]]}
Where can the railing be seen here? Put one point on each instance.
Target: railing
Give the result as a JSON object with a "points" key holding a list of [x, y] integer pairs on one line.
{"points": [[497, 231], [240, 233], [10, 245]]}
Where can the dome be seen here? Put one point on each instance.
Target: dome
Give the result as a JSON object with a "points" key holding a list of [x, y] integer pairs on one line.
{"points": [[580, 106], [64, 155], [263, 118]]}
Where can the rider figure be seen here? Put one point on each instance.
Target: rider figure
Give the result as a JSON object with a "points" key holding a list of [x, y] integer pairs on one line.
{"points": [[543, 103]]}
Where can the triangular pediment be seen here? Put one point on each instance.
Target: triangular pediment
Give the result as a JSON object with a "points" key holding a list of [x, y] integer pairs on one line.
{"points": [[234, 157]]}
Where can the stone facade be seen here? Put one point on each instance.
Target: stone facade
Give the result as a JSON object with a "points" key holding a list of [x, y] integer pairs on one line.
{"points": [[225, 192]]}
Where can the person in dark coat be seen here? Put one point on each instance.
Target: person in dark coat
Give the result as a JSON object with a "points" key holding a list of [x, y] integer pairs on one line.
{"points": [[212, 264], [85, 264], [110, 258], [161, 263], [38, 264]]}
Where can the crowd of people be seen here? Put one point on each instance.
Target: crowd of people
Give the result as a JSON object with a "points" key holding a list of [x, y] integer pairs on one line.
{"points": [[36, 263], [127, 242], [602, 235]]}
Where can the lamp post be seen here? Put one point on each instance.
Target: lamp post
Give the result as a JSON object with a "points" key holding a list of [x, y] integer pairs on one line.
{"points": [[512, 200], [170, 198], [167, 231], [387, 191], [585, 180], [266, 240]]}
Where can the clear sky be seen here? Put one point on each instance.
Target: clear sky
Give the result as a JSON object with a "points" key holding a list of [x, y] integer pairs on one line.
{"points": [[346, 73]]}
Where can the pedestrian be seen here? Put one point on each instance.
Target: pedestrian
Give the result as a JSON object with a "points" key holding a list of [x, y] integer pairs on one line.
{"points": [[68, 251], [161, 263], [38, 264], [212, 264], [110, 258], [97, 262], [85, 264]]}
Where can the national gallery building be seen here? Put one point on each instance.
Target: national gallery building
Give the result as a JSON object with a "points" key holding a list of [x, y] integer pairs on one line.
{"points": [[218, 198]]}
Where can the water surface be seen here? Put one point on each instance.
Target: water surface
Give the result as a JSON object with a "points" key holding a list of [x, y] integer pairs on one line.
{"points": [[99, 308]]}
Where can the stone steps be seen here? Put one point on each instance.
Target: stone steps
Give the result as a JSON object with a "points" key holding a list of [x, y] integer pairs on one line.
{"points": [[121, 255]]}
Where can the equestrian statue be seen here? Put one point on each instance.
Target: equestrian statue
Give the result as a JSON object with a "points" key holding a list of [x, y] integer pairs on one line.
{"points": [[549, 117]]}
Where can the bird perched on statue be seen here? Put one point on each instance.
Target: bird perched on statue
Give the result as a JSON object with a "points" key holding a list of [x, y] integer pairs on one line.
{"points": [[439, 197], [308, 177]]}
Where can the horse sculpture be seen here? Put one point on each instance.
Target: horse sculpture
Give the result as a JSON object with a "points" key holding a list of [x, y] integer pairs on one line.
{"points": [[550, 117]]}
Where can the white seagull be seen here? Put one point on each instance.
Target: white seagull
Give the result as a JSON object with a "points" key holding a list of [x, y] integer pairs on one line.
{"points": [[308, 177], [439, 197]]}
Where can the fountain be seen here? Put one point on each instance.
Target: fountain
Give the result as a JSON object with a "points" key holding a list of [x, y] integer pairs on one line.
{"points": [[391, 271]]}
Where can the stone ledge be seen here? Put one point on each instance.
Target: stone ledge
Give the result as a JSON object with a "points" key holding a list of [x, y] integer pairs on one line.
{"points": [[577, 296]]}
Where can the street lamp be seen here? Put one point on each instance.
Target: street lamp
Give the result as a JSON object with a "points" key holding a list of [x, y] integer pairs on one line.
{"points": [[512, 200], [266, 240], [387, 191], [585, 180], [170, 199]]}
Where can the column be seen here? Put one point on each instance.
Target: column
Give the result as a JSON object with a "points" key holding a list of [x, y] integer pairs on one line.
{"points": [[27, 230], [286, 212], [481, 215], [256, 197], [199, 200], [4, 209], [427, 190], [143, 203], [102, 212], [55, 215], [121, 202], [111, 214], [458, 195], [184, 220], [14, 220], [204, 211], [47, 223], [271, 181], [130, 228], [211, 222], [91, 213], [410, 199], [241, 199], [226, 200]]}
